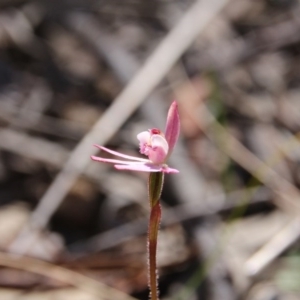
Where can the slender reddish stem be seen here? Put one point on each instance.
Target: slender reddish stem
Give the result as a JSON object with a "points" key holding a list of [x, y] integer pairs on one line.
{"points": [[155, 185], [154, 222]]}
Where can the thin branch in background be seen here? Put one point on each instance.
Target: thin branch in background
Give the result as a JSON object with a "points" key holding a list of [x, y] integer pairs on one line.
{"points": [[35, 148], [41, 150]]}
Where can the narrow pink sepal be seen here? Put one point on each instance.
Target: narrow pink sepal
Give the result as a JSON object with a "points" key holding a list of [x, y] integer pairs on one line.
{"points": [[170, 170], [139, 167], [114, 161], [172, 126], [121, 154]]}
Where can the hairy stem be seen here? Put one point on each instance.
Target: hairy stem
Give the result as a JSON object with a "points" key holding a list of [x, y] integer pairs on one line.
{"points": [[154, 222], [155, 187]]}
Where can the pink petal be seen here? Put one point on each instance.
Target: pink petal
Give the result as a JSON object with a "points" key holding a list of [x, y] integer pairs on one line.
{"points": [[172, 126], [159, 141], [139, 167], [121, 154], [159, 149]]}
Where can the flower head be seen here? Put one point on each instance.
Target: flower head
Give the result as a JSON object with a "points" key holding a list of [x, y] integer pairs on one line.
{"points": [[156, 145]]}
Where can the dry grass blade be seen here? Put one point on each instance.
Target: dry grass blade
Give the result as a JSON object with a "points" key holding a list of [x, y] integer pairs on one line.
{"points": [[64, 275], [270, 251]]}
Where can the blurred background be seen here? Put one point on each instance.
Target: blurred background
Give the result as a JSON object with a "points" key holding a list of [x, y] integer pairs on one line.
{"points": [[71, 228]]}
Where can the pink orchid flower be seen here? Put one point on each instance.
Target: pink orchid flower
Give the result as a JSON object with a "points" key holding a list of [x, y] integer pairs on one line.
{"points": [[154, 144]]}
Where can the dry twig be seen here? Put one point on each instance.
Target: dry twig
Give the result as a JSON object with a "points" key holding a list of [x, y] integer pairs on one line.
{"points": [[64, 275]]}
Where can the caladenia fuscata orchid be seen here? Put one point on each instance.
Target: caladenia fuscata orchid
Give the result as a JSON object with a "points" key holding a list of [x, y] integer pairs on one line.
{"points": [[157, 146]]}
